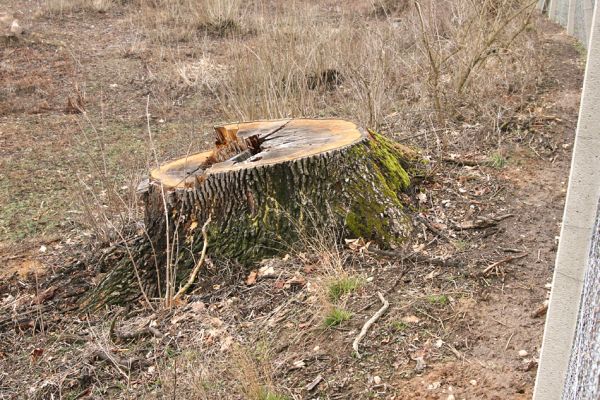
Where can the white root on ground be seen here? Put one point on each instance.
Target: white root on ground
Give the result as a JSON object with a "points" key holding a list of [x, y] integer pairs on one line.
{"points": [[370, 322]]}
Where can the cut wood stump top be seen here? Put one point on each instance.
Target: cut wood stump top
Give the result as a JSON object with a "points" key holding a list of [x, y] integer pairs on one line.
{"points": [[251, 144]]}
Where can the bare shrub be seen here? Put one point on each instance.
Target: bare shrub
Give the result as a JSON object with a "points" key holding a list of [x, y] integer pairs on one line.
{"points": [[464, 43], [442, 61], [108, 200], [169, 21], [302, 65], [388, 8]]}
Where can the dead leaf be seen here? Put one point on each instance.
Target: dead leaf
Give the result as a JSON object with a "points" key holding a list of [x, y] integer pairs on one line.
{"points": [[266, 272], [36, 354], [45, 295], [421, 365], [359, 245], [411, 319], [298, 364], [432, 274], [295, 281], [226, 343], [251, 279]]}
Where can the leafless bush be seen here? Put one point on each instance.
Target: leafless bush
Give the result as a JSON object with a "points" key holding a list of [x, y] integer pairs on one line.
{"points": [[169, 21], [464, 43], [387, 8], [446, 56], [108, 201]]}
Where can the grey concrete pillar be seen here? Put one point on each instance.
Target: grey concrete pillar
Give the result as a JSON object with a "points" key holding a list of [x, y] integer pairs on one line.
{"points": [[576, 233], [562, 12], [552, 9], [588, 12], [571, 17]]}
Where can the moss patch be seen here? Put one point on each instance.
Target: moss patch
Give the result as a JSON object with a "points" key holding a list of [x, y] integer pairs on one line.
{"points": [[387, 155], [368, 214]]}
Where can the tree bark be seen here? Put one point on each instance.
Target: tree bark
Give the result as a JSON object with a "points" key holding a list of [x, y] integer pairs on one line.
{"points": [[266, 185]]}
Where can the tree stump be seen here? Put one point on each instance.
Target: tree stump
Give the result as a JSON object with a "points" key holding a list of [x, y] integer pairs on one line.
{"points": [[265, 185]]}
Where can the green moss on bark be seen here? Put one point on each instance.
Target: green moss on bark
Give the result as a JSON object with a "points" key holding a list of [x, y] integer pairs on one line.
{"points": [[376, 211]]}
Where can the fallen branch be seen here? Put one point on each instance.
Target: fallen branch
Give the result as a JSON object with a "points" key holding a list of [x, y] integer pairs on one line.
{"points": [[504, 260], [196, 269], [370, 322], [433, 229], [482, 222], [145, 331], [465, 162], [420, 258], [118, 362], [540, 311]]}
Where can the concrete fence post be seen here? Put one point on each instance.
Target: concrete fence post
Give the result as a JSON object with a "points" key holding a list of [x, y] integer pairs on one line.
{"points": [[571, 17], [576, 233]]}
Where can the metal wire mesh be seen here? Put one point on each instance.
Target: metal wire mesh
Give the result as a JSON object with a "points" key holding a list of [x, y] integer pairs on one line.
{"points": [[583, 376]]}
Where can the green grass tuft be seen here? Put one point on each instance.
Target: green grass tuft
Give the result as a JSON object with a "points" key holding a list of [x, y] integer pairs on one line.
{"points": [[343, 286], [439, 299], [268, 395], [399, 326], [336, 317], [497, 161]]}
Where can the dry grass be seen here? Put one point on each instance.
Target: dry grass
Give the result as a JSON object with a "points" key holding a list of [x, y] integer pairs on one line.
{"points": [[244, 372], [171, 21], [68, 6], [455, 60]]}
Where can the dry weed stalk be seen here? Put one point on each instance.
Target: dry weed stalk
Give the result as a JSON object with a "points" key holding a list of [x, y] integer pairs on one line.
{"points": [[459, 37], [448, 59], [67, 6], [168, 21]]}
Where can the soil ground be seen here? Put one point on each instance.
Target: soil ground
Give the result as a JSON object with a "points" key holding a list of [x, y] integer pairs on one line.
{"points": [[451, 331]]}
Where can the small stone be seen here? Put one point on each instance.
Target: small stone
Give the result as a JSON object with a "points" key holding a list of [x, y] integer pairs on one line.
{"points": [[473, 382], [434, 385], [15, 28], [523, 353], [376, 380]]}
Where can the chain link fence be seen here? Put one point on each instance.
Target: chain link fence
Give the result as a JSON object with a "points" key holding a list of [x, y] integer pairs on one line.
{"points": [[583, 375]]}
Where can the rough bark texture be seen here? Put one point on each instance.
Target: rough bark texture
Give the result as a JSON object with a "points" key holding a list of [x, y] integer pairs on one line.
{"points": [[262, 209]]}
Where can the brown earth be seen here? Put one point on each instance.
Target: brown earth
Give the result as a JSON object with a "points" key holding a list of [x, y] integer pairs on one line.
{"points": [[451, 329]]}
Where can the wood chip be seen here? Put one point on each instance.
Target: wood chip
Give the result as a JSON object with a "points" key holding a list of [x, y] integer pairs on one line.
{"points": [[311, 386]]}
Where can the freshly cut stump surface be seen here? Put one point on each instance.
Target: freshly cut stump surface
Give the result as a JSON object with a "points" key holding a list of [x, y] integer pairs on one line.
{"points": [[265, 185]]}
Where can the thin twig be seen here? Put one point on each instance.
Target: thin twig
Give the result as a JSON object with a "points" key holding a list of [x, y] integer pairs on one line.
{"points": [[370, 322], [504, 260], [168, 288], [419, 258], [192, 276]]}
